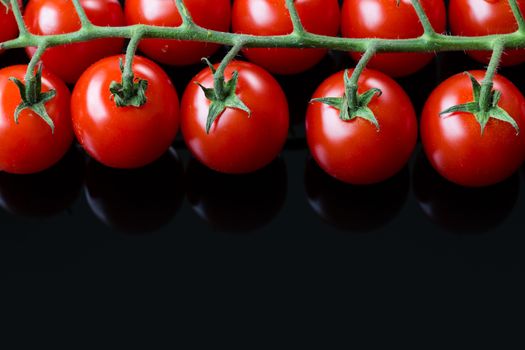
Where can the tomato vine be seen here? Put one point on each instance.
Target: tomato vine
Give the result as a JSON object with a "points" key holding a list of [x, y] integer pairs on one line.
{"points": [[429, 41]]}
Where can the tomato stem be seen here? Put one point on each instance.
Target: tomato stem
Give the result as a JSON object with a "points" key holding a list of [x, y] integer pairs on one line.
{"points": [[351, 87], [486, 87], [518, 15], [84, 20], [187, 19], [19, 19], [423, 18], [296, 20]]}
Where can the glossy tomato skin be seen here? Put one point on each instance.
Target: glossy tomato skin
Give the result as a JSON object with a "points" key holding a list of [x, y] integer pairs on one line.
{"points": [[454, 144], [30, 146], [384, 19], [47, 17], [8, 24], [271, 17], [355, 151], [124, 137], [213, 15], [237, 143], [482, 17]]}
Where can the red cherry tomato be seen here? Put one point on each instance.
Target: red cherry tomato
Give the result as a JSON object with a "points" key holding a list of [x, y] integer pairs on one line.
{"points": [[237, 143], [30, 146], [8, 24], [484, 17], [47, 17], [454, 143], [385, 19], [213, 15], [271, 17], [124, 137], [356, 151]]}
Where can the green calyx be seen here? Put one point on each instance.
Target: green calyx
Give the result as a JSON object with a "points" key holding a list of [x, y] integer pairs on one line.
{"points": [[130, 92], [222, 96], [353, 104], [33, 98], [484, 113]]}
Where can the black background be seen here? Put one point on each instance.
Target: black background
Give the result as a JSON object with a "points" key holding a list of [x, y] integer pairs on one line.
{"points": [[287, 239]]}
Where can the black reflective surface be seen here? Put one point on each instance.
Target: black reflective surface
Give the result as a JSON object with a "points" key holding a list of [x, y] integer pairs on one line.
{"points": [[81, 216]]}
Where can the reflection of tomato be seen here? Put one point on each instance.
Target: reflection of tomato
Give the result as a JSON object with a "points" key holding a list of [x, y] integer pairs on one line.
{"points": [[454, 143], [355, 208], [355, 151], [47, 17], [482, 17], [264, 17], [237, 203], [31, 146], [385, 19], [139, 200], [213, 15], [47, 193], [125, 137], [462, 209], [237, 143], [8, 24]]}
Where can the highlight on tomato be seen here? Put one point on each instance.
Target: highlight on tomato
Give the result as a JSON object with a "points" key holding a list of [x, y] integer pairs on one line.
{"points": [[7, 23], [48, 17], [214, 15], [125, 128], [482, 17], [361, 139], [391, 19], [271, 17], [35, 128], [239, 129], [468, 145]]}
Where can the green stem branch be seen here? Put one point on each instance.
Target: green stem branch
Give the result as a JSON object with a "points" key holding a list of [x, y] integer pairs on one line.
{"points": [[351, 88], [187, 19], [19, 18], [517, 14], [486, 86], [219, 73], [296, 21], [423, 18], [84, 20]]}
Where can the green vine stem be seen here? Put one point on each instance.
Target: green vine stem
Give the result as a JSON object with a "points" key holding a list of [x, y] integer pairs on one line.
{"points": [[191, 31]]}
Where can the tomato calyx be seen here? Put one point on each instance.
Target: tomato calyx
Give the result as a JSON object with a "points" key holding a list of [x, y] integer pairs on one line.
{"points": [[33, 98], [483, 113], [353, 104], [131, 92], [222, 95]]}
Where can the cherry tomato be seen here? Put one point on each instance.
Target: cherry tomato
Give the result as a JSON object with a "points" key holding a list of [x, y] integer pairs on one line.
{"points": [[454, 143], [271, 17], [30, 146], [237, 143], [484, 17], [47, 17], [355, 151], [8, 24], [385, 19], [213, 15], [124, 137]]}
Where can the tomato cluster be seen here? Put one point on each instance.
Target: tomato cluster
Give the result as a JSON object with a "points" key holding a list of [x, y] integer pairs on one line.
{"points": [[238, 122]]}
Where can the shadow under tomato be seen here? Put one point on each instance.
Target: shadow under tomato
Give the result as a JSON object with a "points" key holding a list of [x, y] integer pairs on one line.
{"points": [[358, 209], [136, 201], [237, 203], [47, 193], [460, 209]]}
